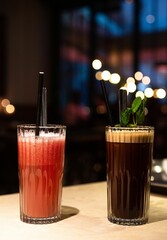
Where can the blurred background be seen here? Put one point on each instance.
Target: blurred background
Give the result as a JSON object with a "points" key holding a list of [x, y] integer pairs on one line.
{"points": [[77, 44]]}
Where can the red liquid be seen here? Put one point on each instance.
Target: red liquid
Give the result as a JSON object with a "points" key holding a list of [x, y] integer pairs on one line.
{"points": [[41, 163]]}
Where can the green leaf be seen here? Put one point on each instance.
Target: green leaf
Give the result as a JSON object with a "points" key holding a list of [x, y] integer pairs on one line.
{"points": [[140, 115], [134, 115], [125, 116], [144, 101], [132, 125], [136, 104], [117, 125]]}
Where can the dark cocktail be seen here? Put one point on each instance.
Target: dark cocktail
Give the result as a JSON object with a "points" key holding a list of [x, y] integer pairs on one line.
{"points": [[129, 158]]}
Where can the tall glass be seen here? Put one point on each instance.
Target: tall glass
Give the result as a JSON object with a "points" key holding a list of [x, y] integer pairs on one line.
{"points": [[41, 153], [129, 154]]}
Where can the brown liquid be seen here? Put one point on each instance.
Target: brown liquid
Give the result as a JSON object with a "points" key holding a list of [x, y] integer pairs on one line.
{"points": [[128, 177]]}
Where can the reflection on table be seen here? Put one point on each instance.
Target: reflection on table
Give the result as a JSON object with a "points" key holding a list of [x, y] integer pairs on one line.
{"points": [[84, 216]]}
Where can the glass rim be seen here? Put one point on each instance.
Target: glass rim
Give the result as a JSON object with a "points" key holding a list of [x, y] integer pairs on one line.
{"points": [[48, 126], [140, 127]]}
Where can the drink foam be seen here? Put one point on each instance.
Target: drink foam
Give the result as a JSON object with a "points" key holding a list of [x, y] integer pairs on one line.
{"points": [[130, 135]]}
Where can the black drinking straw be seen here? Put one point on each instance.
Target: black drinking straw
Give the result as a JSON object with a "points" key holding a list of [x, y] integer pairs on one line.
{"points": [[106, 100], [39, 101], [122, 101], [43, 118]]}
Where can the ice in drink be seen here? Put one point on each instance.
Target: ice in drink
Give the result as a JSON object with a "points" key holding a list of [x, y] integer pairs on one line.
{"points": [[129, 158], [41, 164]]}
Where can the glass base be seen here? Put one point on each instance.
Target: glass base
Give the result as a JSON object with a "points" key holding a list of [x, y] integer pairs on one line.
{"points": [[32, 220], [128, 222]]}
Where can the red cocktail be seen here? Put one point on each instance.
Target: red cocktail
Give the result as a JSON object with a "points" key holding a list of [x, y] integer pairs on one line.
{"points": [[41, 164]]}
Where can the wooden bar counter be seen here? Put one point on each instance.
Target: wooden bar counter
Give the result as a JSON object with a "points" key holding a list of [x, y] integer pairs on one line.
{"points": [[84, 216]]}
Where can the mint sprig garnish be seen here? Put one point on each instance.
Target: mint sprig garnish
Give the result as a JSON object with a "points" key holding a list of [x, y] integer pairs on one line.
{"points": [[134, 115]]}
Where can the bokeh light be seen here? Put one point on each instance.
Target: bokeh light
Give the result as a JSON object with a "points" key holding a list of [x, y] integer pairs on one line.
{"points": [[161, 93], [139, 94], [131, 87], [115, 78], [146, 80], [150, 18], [130, 80], [96, 64], [106, 75], [98, 75], [5, 102], [148, 92], [138, 76], [10, 109]]}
